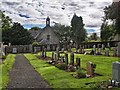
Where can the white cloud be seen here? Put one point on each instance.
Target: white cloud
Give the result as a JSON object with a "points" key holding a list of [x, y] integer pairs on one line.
{"points": [[60, 11]]}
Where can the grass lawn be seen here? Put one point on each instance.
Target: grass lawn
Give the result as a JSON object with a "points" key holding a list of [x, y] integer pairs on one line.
{"points": [[61, 79], [5, 67]]}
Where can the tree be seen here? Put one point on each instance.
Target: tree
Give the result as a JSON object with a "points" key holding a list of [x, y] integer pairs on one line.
{"points": [[113, 12], [6, 21], [63, 32], [17, 35], [35, 28], [78, 33]]}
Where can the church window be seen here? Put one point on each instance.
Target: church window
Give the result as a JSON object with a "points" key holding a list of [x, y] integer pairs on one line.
{"points": [[48, 37]]}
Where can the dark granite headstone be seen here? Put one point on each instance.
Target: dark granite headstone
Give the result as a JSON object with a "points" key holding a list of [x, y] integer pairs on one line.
{"points": [[66, 58], [78, 62], [72, 58]]}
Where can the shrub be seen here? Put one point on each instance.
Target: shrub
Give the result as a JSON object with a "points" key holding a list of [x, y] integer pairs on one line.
{"points": [[81, 73], [3, 57], [62, 66]]}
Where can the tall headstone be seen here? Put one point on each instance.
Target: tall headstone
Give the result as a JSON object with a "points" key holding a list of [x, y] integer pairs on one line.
{"points": [[116, 72], [52, 55], [78, 62], [45, 53], [114, 51], [118, 50], [66, 58], [94, 49], [103, 46], [35, 49], [55, 58], [72, 58], [99, 50], [90, 69]]}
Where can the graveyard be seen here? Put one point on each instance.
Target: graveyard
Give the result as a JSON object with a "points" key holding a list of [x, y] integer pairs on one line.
{"points": [[61, 78], [64, 48]]}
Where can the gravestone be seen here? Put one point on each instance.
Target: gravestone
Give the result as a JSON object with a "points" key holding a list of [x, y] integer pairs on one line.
{"points": [[107, 53], [55, 57], [116, 73], [72, 58], [58, 53], [42, 53], [14, 50], [114, 51], [103, 46], [94, 49], [66, 58], [35, 49], [45, 52], [62, 59], [118, 50], [90, 69], [99, 50], [52, 55], [78, 62]]}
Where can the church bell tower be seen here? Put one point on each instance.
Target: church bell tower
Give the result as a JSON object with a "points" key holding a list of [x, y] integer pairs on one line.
{"points": [[47, 21]]}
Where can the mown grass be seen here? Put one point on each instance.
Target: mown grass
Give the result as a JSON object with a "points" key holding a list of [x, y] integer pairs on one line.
{"points": [[61, 79], [5, 67]]}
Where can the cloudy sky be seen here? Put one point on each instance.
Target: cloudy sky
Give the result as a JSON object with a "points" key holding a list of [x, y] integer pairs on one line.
{"points": [[34, 12]]}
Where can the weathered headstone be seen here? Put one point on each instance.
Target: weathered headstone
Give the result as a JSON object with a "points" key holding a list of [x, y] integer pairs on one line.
{"points": [[116, 73], [72, 58], [14, 50], [35, 49], [114, 51], [103, 46], [78, 62], [107, 53], [55, 58], [100, 50], [66, 58], [62, 59], [90, 69], [94, 49], [118, 50], [45, 52], [52, 55]]}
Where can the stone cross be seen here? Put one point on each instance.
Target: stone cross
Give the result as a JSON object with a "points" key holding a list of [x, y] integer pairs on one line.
{"points": [[72, 58], [78, 62], [118, 50], [90, 69], [116, 72], [66, 58]]}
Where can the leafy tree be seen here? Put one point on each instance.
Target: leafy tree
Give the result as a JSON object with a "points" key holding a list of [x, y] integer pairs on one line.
{"points": [[5, 20], [63, 32], [17, 35], [78, 33], [113, 12]]}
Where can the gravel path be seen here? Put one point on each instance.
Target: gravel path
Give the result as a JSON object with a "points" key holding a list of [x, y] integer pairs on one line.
{"points": [[23, 75]]}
